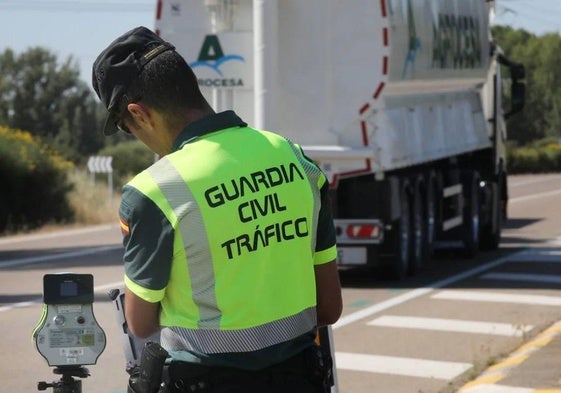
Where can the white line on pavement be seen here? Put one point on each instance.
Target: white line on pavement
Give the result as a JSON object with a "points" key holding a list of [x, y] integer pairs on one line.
{"points": [[534, 196], [33, 302], [496, 297], [451, 325], [55, 234], [400, 366], [105, 287], [368, 311], [20, 305], [55, 257], [525, 182], [543, 278], [540, 256]]}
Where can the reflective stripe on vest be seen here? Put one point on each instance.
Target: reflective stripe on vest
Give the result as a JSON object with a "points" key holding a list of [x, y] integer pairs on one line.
{"points": [[164, 184], [314, 177], [241, 340], [182, 202]]}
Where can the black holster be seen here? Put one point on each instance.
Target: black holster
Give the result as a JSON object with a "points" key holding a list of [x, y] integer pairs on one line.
{"points": [[320, 367], [148, 377]]}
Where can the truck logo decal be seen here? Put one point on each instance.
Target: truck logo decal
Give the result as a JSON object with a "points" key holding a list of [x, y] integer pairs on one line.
{"points": [[212, 56], [456, 42], [414, 42]]}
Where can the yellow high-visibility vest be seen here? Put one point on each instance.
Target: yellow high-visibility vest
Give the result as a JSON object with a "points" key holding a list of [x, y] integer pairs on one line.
{"points": [[244, 207]]}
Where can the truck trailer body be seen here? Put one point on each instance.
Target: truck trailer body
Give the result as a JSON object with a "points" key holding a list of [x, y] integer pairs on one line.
{"points": [[400, 102]]}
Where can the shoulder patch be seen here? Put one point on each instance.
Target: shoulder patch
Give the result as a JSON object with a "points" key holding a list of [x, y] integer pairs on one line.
{"points": [[124, 226]]}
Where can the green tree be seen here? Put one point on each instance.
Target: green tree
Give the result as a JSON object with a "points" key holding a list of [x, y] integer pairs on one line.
{"points": [[541, 56], [48, 99]]}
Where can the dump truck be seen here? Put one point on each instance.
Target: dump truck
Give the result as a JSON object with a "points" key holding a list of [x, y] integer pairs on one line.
{"points": [[402, 103]]}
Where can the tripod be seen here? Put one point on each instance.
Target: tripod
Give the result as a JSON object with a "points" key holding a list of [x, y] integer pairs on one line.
{"points": [[67, 383]]}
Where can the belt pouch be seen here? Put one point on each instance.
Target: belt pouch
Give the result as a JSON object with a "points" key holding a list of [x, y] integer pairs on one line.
{"points": [[188, 377]]}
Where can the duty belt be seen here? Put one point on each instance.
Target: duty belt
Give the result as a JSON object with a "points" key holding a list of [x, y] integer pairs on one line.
{"points": [[312, 363]]}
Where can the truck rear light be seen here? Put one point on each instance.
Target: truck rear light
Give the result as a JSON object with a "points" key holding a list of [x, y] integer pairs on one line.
{"points": [[349, 231], [363, 231]]}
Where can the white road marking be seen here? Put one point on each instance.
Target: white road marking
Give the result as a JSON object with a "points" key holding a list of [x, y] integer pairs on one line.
{"points": [[451, 325], [540, 256], [55, 257], [368, 311], [410, 367], [534, 196], [113, 285], [543, 278], [33, 302], [55, 234], [495, 297], [521, 182], [20, 305]]}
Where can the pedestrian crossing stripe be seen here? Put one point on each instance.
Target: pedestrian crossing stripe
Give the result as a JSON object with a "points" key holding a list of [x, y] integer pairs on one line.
{"points": [[498, 297], [451, 325], [411, 367]]}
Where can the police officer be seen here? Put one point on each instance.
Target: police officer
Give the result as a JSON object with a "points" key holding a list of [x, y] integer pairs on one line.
{"points": [[229, 241]]}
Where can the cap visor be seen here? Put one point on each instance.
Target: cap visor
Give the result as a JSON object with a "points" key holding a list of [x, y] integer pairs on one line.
{"points": [[110, 128]]}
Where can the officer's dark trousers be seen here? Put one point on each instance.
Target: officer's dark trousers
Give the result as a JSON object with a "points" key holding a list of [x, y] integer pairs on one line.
{"points": [[295, 375]]}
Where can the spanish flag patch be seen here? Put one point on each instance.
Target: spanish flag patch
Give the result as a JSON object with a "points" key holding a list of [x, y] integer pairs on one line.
{"points": [[124, 226]]}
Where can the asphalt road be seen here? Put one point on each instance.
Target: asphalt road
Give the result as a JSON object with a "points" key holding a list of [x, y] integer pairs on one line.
{"points": [[429, 333]]}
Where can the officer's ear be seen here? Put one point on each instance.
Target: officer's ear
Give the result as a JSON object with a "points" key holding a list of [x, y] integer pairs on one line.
{"points": [[141, 114]]}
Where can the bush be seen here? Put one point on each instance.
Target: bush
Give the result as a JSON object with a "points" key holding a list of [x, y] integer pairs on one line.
{"points": [[91, 201], [542, 157], [129, 158], [34, 183]]}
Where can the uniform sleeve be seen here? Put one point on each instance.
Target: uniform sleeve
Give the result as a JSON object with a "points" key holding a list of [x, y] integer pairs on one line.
{"points": [[148, 242], [326, 249]]}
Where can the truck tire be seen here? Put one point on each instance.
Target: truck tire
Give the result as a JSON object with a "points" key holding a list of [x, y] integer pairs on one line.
{"points": [[419, 219], [470, 227], [430, 219], [397, 267], [490, 236]]}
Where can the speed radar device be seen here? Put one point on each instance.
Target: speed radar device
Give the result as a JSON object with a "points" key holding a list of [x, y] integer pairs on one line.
{"points": [[68, 335]]}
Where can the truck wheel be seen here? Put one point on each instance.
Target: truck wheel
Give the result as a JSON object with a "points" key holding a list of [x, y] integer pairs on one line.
{"points": [[430, 219], [397, 267], [491, 233], [418, 232], [470, 228]]}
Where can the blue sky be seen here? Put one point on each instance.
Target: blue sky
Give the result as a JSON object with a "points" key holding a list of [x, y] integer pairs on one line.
{"points": [[538, 16], [83, 28]]}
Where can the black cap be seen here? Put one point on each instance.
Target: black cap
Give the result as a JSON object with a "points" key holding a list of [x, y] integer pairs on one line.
{"points": [[120, 64]]}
